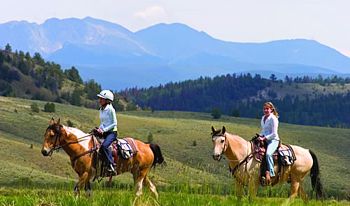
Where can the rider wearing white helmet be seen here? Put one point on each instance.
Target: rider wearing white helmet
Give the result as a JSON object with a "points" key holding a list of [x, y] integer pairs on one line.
{"points": [[108, 126]]}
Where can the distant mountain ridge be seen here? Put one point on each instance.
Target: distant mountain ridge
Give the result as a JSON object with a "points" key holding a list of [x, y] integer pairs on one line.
{"points": [[163, 52]]}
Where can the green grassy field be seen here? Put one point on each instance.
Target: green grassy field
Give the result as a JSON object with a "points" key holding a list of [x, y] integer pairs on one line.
{"points": [[117, 197], [191, 177]]}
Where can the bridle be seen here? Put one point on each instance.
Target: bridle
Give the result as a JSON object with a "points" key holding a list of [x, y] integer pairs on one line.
{"points": [[57, 146], [215, 136], [240, 163], [57, 132]]}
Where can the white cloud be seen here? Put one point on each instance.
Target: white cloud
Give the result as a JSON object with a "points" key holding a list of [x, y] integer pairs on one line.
{"points": [[151, 13]]}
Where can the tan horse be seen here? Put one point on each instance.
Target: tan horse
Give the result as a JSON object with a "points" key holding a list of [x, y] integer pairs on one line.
{"points": [[80, 146], [246, 170]]}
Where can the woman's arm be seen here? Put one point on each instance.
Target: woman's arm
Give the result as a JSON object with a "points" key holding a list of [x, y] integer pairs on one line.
{"points": [[262, 126], [113, 117], [274, 129]]}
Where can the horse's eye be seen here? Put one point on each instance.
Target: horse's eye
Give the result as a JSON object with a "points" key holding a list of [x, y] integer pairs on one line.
{"points": [[51, 134], [222, 141]]}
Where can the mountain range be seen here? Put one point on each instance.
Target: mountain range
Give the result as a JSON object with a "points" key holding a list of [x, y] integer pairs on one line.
{"points": [[119, 58]]}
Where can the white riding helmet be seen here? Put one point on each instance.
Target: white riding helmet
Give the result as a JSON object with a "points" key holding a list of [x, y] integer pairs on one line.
{"points": [[106, 94]]}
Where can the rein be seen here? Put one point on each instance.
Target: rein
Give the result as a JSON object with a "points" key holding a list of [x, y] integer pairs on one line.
{"points": [[69, 143], [244, 161], [85, 153], [58, 147]]}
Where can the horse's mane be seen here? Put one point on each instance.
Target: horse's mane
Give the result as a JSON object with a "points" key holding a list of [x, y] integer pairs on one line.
{"points": [[77, 132], [235, 136]]}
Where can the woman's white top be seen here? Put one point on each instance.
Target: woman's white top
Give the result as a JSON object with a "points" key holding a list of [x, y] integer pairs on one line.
{"points": [[269, 128], [108, 118]]}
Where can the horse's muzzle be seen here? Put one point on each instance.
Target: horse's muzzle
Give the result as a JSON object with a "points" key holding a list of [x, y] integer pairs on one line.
{"points": [[44, 152], [217, 157]]}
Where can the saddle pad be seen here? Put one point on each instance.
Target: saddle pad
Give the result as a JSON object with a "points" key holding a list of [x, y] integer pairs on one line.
{"points": [[131, 143], [126, 147], [286, 154]]}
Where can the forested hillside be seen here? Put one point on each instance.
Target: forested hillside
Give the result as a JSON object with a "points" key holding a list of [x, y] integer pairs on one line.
{"points": [[31, 77], [302, 100]]}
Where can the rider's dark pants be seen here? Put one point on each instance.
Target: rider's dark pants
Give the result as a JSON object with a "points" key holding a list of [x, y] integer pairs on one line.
{"points": [[110, 137]]}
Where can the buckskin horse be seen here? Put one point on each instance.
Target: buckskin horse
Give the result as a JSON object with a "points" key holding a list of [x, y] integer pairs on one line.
{"points": [[245, 168], [80, 147]]}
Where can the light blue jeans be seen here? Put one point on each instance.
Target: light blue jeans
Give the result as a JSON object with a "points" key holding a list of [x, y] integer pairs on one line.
{"points": [[271, 148]]}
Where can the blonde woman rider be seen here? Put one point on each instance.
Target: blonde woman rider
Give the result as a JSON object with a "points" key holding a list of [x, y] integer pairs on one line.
{"points": [[269, 132]]}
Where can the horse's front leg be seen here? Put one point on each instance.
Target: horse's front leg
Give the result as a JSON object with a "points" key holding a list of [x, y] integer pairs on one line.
{"points": [[253, 186], [83, 180], [239, 187], [88, 192], [76, 189]]}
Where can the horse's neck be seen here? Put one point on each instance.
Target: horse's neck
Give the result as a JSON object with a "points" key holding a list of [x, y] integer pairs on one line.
{"points": [[74, 146], [237, 148]]}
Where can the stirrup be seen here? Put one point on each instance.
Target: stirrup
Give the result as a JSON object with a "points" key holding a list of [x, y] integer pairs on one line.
{"points": [[263, 181], [111, 169]]}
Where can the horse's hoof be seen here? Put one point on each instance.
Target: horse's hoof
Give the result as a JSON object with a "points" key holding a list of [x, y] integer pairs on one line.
{"points": [[88, 194]]}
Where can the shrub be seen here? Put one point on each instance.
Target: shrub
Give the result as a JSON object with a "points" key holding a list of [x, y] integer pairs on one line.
{"points": [[49, 107], [34, 107], [70, 123], [150, 137], [216, 113], [235, 113], [131, 107]]}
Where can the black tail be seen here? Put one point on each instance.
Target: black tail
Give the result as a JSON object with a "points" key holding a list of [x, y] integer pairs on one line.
{"points": [[315, 177], [158, 157]]}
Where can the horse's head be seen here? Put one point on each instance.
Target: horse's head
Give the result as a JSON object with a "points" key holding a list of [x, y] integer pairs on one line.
{"points": [[52, 137], [219, 142]]}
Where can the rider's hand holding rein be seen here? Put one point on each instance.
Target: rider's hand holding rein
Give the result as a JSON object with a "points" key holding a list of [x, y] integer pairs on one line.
{"points": [[262, 138], [100, 131]]}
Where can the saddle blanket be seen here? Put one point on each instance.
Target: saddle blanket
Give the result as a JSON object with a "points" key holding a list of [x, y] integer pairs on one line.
{"points": [[126, 147], [284, 152]]}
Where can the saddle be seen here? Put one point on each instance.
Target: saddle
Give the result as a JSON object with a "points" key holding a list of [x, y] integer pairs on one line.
{"points": [[284, 153], [122, 149], [283, 156]]}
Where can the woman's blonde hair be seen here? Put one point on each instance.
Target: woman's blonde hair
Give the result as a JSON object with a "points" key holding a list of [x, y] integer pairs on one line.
{"points": [[272, 107]]}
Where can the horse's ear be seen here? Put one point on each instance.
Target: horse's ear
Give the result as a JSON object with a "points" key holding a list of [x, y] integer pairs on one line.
{"points": [[58, 121], [52, 121], [223, 129], [212, 129]]}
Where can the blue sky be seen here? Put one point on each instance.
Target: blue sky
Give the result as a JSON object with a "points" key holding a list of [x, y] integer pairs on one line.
{"points": [[326, 21]]}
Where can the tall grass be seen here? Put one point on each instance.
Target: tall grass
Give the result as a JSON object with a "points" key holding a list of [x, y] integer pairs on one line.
{"points": [[113, 196]]}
